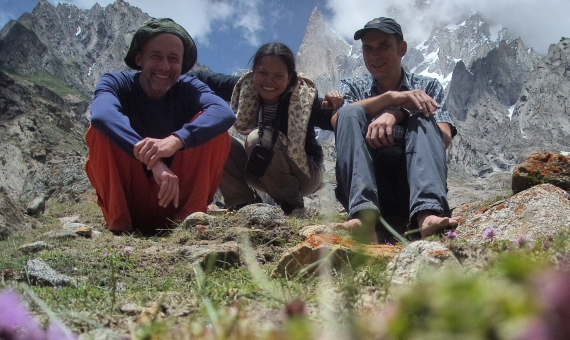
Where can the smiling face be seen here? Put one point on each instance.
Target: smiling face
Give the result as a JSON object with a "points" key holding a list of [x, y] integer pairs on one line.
{"points": [[271, 79], [383, 56], [160, 60]]}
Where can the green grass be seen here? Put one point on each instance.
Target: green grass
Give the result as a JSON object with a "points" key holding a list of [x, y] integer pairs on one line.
{"points": [[242, 302], [46, 79]]}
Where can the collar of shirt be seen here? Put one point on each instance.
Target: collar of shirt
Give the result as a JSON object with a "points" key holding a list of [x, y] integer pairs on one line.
{"points": [[376, 90]]}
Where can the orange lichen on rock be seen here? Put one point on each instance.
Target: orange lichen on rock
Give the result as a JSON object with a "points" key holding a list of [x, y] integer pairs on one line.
{"points": [[316, 240]]}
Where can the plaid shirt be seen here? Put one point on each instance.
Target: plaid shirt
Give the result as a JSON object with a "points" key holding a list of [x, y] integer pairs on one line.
{"points": [[362, 87]]}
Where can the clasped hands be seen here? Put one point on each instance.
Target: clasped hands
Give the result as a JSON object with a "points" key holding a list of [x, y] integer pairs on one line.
{"points": [[380, 130], [150, 151]]}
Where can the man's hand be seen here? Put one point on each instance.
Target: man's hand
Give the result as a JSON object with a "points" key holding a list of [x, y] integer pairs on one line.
{"points": [[168, 182], [333, 100], [379, 132], [150, 150], [416, 100]]}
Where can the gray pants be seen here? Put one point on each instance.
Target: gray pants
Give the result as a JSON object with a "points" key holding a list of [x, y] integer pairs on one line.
{"points": [[283, 180], [361, 171]]}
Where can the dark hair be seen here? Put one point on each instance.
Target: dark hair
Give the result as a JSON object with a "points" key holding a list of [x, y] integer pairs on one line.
{"points": [[282, 52]]}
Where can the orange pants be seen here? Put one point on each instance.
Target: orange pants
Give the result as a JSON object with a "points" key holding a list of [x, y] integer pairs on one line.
{"points": [[129, 198]]}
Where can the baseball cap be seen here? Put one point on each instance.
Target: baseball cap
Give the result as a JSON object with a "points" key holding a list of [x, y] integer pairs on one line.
{"points": [[386, 25]]}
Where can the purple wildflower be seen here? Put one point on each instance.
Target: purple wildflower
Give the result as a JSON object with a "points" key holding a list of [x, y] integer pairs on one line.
{"points": [[106, 255], [16, 320], [451, 234], [490, 233], [57, 331], [523, 241]]}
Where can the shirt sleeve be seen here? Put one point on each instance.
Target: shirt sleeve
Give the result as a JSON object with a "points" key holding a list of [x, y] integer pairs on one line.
{"points": [[107, 112], [320, 117], [216, 117], [435, 90], [222, 84]]}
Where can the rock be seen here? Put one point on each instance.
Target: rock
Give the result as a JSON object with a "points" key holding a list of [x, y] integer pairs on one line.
{"points": [[541, 168], [306, 212], [72, 226], [130, 309], [84, 231], [315, 229], [61, 234], [223, 255], [79, 228], [37, 206], [214, 210], [538, 212], [306, 258], [197, 218], [34, 247], [261, 214], [41, 273], [417, 257]]}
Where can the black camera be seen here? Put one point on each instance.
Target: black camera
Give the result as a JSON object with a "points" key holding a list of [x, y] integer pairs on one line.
{"points": [[259, 160]]}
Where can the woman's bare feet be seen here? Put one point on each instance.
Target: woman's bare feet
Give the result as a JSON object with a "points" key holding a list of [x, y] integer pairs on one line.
{"points": [[431, 224]]}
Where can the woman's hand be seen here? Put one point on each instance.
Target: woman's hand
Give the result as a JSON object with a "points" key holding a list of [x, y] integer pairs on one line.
{"points": [[333, 100]]}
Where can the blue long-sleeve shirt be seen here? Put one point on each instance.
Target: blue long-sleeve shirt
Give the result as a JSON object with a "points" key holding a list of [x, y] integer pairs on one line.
{"points": [[124, 113]]}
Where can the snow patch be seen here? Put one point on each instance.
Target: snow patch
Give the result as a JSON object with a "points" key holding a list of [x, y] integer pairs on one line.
{"points": [[565, 153], [78, 32], [511, 111]]}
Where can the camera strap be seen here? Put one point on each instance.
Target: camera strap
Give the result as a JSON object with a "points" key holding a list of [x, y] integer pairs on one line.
{"points": [[276, 126]]}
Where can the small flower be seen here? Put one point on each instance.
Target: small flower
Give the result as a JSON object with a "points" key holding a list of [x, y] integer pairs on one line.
{"points": [[451, 234], [490, 233], [106, 255], [15, 318], [129, 251], [120, 246], [523, 241]]}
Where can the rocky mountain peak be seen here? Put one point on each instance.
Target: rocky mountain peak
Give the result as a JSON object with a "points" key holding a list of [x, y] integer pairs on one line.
{"points": [[325, 56]]}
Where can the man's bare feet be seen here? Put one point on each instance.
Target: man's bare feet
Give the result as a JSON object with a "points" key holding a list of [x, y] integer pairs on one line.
{"points": [[431, 224], [363, 233]]}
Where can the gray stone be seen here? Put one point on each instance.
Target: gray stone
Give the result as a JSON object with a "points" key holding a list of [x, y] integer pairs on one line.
{"points": [[37, 206], [42, 274], [61, 234], [535, 213], [34, 247], [72, 226], [197, 218], [419, 257], [261, 214]]}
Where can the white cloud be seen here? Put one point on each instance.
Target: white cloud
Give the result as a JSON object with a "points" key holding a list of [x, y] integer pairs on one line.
{"points": [[538, 22], [198, 17]]}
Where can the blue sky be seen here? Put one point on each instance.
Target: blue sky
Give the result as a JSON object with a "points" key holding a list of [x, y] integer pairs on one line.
{"points": [[228, 32]]}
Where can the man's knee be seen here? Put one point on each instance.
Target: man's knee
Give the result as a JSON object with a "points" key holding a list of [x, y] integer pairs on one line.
{"points": [[350, 113]]}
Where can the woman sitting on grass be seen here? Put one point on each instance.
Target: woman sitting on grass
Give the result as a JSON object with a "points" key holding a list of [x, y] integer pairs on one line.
{"points": [[273, 97]]}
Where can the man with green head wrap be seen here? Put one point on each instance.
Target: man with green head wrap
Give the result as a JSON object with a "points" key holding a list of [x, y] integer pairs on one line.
{"points": [[158, 139]]}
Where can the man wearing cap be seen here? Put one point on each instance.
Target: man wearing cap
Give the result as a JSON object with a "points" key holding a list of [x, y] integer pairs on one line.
{"points": [[391, 138], [158, 138]]}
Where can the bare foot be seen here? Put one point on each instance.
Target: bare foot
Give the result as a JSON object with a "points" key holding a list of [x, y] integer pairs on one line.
{"points": [[364, 234], [431, 224]]}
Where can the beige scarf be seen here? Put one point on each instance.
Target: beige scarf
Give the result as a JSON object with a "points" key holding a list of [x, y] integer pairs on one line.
{"points": [[245, 102]]}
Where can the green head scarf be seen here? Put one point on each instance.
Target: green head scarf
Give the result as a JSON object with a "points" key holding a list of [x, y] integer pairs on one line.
{"points": [[155, 26]]}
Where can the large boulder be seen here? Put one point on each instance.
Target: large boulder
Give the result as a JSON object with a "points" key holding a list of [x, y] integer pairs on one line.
{"points": [[536, 213], [542, 168]]}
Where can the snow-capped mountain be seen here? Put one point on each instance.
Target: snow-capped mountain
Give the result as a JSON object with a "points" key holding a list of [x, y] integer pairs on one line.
{"points": [[499, 90]]}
